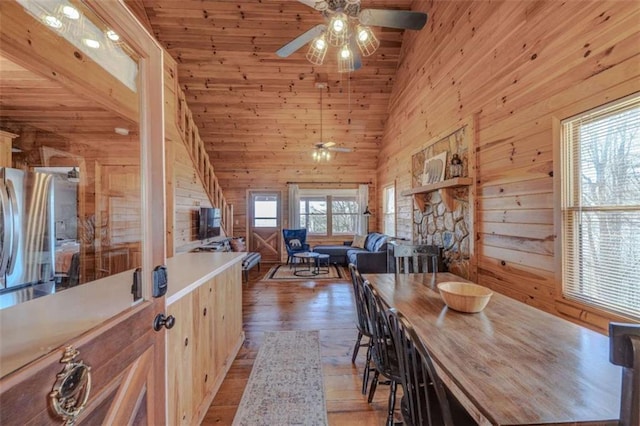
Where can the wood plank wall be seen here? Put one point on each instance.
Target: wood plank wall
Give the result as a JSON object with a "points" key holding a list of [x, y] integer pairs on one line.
{"points": [[185, 191], [513, 67]]}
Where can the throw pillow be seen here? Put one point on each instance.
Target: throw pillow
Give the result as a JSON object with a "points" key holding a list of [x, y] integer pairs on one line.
{"points": [[237, 244], [358, 241], [295, 243]]}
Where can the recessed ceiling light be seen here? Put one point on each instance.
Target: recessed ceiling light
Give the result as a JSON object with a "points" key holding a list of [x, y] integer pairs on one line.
{"points": [[53, 22], [121, 131], [71, 12], [94, 44], [113, 36]]}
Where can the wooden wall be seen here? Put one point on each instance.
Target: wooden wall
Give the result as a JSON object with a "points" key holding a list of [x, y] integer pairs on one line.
{"points": [[513, 68], [185, 192]]}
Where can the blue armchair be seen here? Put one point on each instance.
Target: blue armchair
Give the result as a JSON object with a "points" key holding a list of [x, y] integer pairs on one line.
{"points": [[295, 240]]}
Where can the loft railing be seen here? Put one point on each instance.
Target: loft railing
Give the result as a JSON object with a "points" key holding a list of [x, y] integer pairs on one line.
{"points": [[203, 166]]}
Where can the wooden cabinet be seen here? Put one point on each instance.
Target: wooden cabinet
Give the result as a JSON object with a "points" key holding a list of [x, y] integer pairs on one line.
{"points": [[443, 187], [5, 148], [203, 343]]}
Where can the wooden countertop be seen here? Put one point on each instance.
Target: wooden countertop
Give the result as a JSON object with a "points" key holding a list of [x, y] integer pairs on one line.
{"points": [[29, 330], [510, 364], [187, 271]]}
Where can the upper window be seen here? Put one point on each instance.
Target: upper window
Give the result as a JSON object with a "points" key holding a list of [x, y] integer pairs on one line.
{"points": [[265, 211], [389, 210], [601, 207], [329, 214]]}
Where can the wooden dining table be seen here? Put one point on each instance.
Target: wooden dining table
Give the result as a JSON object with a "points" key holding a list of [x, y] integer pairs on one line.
{"points": [[510, 364]]}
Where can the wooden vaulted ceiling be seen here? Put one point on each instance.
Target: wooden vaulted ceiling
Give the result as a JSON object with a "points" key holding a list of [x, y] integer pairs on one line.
{"points": [[251, 105]]}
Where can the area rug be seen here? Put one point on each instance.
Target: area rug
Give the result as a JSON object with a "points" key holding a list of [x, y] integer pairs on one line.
{"points": [[285, 386], [285, 272]]}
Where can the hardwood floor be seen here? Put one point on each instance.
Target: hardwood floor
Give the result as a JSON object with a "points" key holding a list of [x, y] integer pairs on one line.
{"points": [[324, 305]]}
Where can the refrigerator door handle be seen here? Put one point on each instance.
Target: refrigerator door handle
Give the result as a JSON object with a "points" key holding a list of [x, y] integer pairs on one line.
{"points": [[13, 210], [7, 239]]}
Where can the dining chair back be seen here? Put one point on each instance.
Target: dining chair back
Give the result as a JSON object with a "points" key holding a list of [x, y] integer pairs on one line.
{"points": [[624, 350], [362, 324], [383, 350], [425, 400]]}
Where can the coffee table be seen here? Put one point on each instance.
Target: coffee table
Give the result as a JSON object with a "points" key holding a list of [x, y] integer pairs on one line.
{"points": [[322, 263], [306, 264]]}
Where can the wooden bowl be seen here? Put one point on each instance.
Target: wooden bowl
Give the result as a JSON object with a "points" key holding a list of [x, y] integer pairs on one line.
{"points": [[464, 297]]}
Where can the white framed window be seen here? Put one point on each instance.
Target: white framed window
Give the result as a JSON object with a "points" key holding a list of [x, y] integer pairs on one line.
{"points": [[389, 210], [265, 210], [329, 212], [600, 191]]}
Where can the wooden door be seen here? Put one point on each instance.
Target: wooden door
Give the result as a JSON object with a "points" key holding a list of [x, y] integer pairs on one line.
{"points": [[265, 229], [126, 358]]}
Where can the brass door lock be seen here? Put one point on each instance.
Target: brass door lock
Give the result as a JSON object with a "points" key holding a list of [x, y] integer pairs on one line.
{"points": [[72, 387]]}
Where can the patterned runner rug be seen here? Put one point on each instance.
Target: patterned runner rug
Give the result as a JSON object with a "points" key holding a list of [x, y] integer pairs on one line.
{"points": [[285, 386], [284, 272]]}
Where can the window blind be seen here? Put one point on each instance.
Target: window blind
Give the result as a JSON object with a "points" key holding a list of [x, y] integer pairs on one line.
{"points": [[600, 158]]}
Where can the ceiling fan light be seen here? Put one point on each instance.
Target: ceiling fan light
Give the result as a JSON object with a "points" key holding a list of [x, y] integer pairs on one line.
{"points": [[71, 12], [317, 50], [112, 35], [321, 5], [367, 41], [345, 60], [338, 29], [53, 22], [345, 52]]}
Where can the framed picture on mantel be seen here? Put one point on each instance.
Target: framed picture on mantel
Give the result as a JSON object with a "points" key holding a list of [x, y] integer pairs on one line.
{"points": [[434, 168], [429, 164]]}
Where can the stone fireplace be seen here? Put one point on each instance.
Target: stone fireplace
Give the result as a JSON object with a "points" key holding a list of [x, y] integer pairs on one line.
{"points": [[442, 217]]}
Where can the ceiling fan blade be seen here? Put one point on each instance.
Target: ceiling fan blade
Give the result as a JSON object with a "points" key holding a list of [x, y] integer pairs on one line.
{"points": [[300, 41], [328, 144], [340, 149], [402, 19], [310, 3]]}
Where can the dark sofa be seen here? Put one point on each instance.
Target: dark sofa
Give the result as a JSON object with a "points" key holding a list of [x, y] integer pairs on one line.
{"points": [[370, 259]]}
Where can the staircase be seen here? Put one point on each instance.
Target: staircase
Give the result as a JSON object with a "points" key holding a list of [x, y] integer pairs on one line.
{"points": [[201, 162]]}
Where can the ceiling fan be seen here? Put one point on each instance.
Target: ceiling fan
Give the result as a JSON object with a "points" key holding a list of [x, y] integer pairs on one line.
{"points": [[331, 146], [347, 28], [321, 149]]}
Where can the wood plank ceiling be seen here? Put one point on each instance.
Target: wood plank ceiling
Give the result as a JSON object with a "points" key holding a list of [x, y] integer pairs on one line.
{"points": [[251, 105]]}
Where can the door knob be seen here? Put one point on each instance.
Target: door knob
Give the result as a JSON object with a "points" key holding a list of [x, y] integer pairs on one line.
{"points": [[161, 321]]}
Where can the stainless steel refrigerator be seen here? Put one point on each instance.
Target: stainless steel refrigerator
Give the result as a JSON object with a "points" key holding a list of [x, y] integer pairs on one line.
{"points": [[27, 235]]}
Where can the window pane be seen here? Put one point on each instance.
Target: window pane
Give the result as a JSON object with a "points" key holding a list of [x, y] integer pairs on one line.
{"points": [[609, 254], [344, 205], [317, 224], [601, 207], [389, 200], [266, 209], [344, 224], [610, 159], [318, 206], [389, 219], [265, 223]]}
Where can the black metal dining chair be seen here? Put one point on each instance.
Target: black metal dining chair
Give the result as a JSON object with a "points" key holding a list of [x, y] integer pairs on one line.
{"points": [[425, 401], [383, 352], [624, 350], [362, 324]]}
